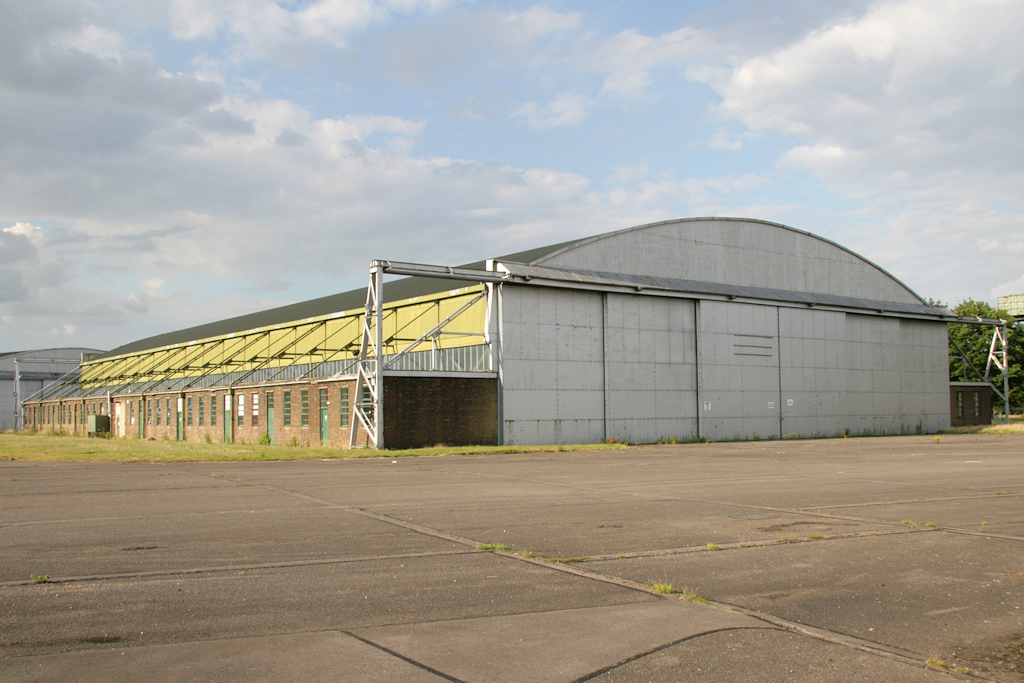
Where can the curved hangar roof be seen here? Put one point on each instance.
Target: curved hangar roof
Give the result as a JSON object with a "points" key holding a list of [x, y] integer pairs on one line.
{"points": [[725, 256]]}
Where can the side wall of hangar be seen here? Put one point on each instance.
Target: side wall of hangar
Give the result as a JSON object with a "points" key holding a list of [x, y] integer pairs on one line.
{"points": [[697, 328]]}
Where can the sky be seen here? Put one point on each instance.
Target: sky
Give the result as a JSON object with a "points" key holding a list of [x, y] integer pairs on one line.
{"points": [[167, 163]]}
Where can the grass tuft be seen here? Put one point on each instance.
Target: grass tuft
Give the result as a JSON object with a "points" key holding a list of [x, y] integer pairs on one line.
{"points": [[492, 546], [691, 595]]}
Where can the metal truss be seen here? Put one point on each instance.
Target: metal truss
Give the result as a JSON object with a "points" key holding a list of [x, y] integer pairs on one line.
{"points": [[368, 406], [998, 357], [370, 373]]}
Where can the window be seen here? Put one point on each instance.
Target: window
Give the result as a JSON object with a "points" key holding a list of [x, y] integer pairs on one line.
{"points": [[343, 407], [366, 402], [960, 404], [158, 414], [241, 410], [255, 410], [188, 411], [149, 412], [977, 404], [131, 411], [305, 407], [202, 410], [213, 410], [167, 405], [286, 414]]}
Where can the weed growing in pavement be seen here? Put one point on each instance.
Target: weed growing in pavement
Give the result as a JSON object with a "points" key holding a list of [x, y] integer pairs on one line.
{"points": [[492, 546], [41, 578], [664, 588], [713, 546], [932, 525], [935, 661], [814, 537], [568, 560], [691, 595]]}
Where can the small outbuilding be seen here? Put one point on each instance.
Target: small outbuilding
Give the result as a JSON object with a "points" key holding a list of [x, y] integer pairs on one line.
{"points": [[970, 403]]}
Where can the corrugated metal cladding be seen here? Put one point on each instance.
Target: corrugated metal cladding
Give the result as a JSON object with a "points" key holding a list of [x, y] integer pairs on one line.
{"points": [[707, 328], [587, 366]]}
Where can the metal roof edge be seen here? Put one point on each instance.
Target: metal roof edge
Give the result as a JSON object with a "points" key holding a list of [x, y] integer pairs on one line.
{"points": [[740, 219]]}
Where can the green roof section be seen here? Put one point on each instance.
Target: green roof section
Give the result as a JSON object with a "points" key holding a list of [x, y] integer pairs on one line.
{"points": [[397, 290]]}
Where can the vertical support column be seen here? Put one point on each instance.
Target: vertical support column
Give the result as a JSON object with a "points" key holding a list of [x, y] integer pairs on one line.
{"points": [[494, 331], [378, 380], [369, 416], [1006, 371], [998, 355], [17, 396]]}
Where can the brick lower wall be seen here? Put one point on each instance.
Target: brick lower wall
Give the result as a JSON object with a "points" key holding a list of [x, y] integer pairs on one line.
{"points": [[426, 411], [418, 411]]}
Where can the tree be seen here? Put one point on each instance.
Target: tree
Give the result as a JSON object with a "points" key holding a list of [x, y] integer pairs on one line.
{"points": [[975, 342]]}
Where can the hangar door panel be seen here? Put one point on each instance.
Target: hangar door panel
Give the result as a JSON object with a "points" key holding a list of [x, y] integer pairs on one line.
{"points": [[813, 372], [552, 366], [650, 368], [739, 360]]}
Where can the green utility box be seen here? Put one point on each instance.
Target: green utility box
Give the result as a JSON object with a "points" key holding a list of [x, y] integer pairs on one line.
{"points": [[97, 424]]}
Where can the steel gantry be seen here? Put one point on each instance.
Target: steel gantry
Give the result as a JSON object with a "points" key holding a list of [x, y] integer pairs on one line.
{"points": [[998, 357], [368, 407]]}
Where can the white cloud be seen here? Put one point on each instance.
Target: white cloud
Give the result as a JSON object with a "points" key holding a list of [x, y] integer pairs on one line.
{"points": [[629, 57], [911, 109], [565, 109], [33, 233], [265, 29]]}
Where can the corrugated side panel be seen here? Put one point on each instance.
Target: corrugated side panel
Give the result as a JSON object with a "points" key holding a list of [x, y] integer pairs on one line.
{"points": [[552, 366], [651, 369], [739, 355], [814, 371]]}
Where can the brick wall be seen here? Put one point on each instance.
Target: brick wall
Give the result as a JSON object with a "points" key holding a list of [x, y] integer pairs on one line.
{"points": [[419, 411], [426, 411]]}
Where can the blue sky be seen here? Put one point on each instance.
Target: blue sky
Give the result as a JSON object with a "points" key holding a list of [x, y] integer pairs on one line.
{"points": [[165, 163]]}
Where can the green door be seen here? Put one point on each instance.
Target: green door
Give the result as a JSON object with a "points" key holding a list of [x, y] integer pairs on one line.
{"points": [[324, 435]]}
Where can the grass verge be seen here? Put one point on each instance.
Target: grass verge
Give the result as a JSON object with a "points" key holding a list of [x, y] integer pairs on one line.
{"points": [[1015, 426], [50, 448]]}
